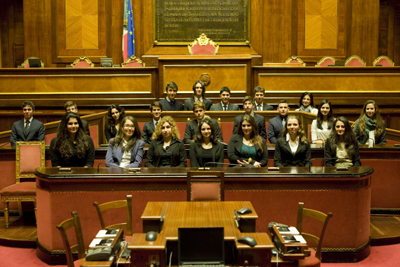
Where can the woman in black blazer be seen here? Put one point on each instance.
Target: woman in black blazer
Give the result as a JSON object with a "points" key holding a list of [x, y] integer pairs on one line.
{"points": [[247, 146], [341, 148], [292, 148], [166, 150], [206, 147]]}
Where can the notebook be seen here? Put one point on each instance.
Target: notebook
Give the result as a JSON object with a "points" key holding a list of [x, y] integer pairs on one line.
{"points": [[201, 246]]}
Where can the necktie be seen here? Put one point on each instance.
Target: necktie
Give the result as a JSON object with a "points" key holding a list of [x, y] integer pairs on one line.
{"points": [[26, 127], [225, 108], [283, 123], [155, 125], [259, 108]]}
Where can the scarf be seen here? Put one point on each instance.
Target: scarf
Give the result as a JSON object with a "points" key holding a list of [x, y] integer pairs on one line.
{"points": [[370, 124], [307, 109]]}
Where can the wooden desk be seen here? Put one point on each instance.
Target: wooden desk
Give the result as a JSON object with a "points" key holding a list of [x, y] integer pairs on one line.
{"points": [[198, 214]]}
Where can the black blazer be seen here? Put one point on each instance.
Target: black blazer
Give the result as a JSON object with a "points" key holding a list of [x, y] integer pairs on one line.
{"points": [[189, 103], [148, 130], [330, 155], [274, 129], [260, 120], [191, 129], [265, 107], [196, 159], [283, 154], [178, 157], [110, 132], [218, 107], [35, 133], [235, 147], [166, 106]]}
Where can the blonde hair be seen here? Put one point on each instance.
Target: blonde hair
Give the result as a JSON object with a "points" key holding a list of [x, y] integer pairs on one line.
{"points": [[174, 131], [301, 134]]}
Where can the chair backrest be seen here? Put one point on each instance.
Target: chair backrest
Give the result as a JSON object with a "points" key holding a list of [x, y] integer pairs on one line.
{"points": [[354, 61], [295, 60], [26, 65], [205, 186], [116, 205], [326, 61], [79, 247], [133, 62], [384, 61], [317, 215], [82, 62], [203, 46], [28, 156]]}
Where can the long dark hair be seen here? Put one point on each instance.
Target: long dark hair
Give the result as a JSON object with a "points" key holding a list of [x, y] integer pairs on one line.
{"points": [[377, 119], [118, 140], [256, 139], [64, 144], [311, 99], [110, 119], [349, 137], [320, 117], [301, 134], [203, 86], [198, 137]]}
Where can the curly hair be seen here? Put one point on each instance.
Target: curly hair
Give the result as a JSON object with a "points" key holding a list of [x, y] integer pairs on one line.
{"points": [[63, 143], [198, 137], [320, 117], [377, 118], [110, 120], [301, 134], [311, 99], [157, 135], [256, 139], [349, 137], [118, 140]]}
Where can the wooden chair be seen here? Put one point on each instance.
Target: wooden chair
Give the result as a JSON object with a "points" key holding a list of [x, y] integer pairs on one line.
{"points": [[133, 62], [205, 186], [295, 60], [82, 62], [25, 64], [384, 61], [29, 156], [116, 205], [79, 247], [203, 46], [326, 61], [315, 258], [354, 61]]}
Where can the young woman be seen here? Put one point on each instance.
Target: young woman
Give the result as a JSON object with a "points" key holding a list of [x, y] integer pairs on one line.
{"points": [[166, 150], [247, 146], [370, 125], [72, 147], [126, 148], [206, 147], [292, 148], [114, 116], [306, 103], [322, 126], [341, 148]]}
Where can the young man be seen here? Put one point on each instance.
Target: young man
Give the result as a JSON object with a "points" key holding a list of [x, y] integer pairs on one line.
{"points": [[248, 105], [199, 90], [149, 127], [72, 107], [27, 129], [259, 98], [169, 103], [277, 123], [224, 105], [191, 126]]}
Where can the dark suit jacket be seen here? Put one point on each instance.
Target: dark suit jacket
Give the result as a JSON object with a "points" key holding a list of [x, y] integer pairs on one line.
{"points": [[36, 131], [196, 159], [265, 107], [74, 161], [331, 155], [260, 120], [189, 103], [166, 106], [115, 153], [218, 107], [191, 129], [148, 130], [274, 129], [86, 126], [178, 157], [235, 148], [283, 154], [362, 138], [110, 132]]}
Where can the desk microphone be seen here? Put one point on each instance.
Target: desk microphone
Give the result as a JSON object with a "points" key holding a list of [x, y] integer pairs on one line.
{"points": [[237, 219], [229, 164], [134, 170]]}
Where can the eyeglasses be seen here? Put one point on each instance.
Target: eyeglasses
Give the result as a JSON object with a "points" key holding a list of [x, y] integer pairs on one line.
{"points": [[129, 126]]}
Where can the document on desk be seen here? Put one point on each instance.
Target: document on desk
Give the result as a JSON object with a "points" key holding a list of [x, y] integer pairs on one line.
{"points": [[99, 242], [107, 233], [288, 230], [294, 239]]}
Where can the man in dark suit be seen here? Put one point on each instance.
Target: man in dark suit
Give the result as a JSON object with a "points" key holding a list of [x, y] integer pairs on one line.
{"points": [[27, 129], [248, 105], [72, 107], [191, 126], [275, 125], [224, 105], [169, 103], [259, 93], [150, 126], [199, 89]]}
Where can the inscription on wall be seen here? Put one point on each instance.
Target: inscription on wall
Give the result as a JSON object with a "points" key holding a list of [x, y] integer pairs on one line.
{"points": [[181, 21]]}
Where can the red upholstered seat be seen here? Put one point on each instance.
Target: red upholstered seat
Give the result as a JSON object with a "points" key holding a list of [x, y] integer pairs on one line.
{"points": [[295, 60], [205, 186], [26, 188], [133, 62], [203, 46], [82, 62], [384, 61], [354, 61], [311, 261], [326, 61]]}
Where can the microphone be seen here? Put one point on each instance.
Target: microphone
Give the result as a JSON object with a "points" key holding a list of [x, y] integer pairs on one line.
{"points": [[134, 170], [237, 219], [222, 163]]}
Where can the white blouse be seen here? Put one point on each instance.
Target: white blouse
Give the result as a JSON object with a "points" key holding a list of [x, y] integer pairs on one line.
{"points": [[318, 134]]}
